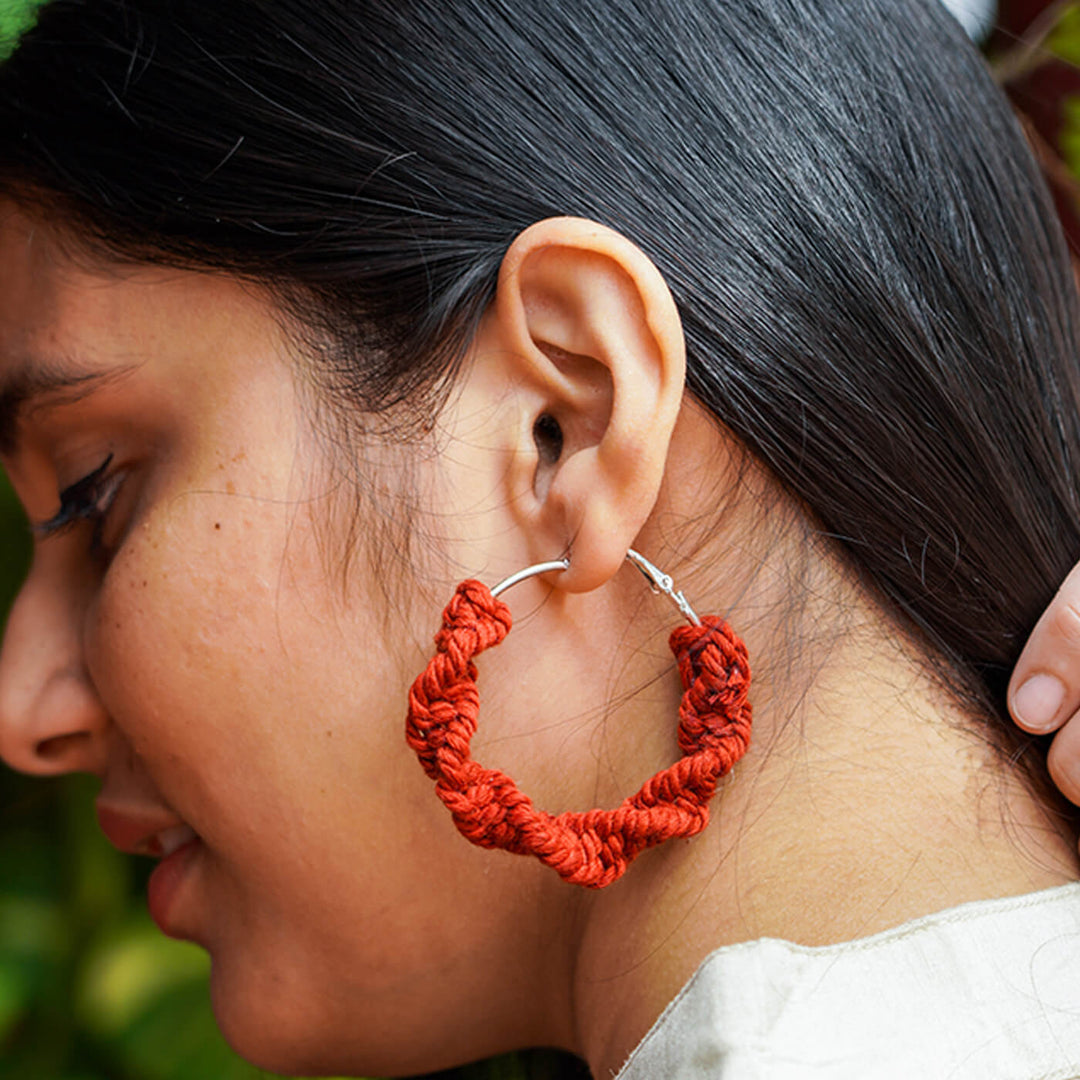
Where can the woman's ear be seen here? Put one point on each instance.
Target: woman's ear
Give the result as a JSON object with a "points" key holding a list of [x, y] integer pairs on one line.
{"points": [[589, 322]]}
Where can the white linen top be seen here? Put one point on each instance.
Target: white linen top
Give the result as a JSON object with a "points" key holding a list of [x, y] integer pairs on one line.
{"points": [[985, 991]]}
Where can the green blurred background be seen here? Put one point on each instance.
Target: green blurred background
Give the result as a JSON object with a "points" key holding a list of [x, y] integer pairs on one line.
{"points": [[89, 989]]}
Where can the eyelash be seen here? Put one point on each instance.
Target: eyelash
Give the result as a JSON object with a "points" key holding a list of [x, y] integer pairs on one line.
{"points": [[87, 499]]}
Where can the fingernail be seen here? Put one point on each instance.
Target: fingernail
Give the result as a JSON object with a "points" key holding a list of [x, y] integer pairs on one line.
{"points": [[1037, 701]]}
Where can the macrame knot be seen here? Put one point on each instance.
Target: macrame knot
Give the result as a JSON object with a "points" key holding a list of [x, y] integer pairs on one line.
{"points": [[594, 847]]}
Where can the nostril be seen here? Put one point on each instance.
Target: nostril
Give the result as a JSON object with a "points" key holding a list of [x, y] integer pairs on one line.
{"points": [[59, 747], [51, 718]]}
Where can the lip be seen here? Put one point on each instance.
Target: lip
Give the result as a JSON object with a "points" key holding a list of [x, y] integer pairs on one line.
{"points": [[135, 830], [166, 883], [132, 828]]}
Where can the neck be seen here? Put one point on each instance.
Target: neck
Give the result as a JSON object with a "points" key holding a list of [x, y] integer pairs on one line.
{"points": [[866, 799]]}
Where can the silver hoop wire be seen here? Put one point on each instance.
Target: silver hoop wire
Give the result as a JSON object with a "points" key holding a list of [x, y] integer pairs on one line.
{"points": [[658, 581], [528, 572]]}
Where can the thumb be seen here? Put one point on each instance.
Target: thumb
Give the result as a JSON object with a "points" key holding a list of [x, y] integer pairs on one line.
{"points": [[1044, 690]]}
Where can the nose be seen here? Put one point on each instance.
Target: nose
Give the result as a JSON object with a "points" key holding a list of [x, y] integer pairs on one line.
{"points": [[51, 718]]}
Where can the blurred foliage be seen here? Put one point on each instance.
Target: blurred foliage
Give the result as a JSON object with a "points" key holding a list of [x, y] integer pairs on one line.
{"points": [[1063, 40], [1052, 38], [1069, 138], [1064, 43], [15, 17]]}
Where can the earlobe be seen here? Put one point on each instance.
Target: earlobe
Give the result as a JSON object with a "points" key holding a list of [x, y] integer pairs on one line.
{"points": [[591, 321]]}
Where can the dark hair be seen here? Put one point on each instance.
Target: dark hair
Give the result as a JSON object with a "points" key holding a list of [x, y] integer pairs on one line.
{"points": [[876, 295]]}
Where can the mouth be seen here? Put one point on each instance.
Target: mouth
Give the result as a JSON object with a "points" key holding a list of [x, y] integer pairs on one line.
{"points": [[144, 830], [162, 844], [153, 831]]}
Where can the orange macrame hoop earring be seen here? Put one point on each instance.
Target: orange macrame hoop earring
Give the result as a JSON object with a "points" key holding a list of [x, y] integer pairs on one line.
{"points": [[595, 847]]}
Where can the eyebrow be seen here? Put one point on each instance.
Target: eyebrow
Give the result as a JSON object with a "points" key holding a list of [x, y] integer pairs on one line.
{"points": [[53, 383]]}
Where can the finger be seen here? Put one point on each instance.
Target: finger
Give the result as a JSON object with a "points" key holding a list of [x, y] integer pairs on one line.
{"points": [[1063, 761], [1045, 687]]}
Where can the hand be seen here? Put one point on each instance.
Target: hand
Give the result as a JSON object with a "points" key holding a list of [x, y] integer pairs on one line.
{"points": [[1044, 692]]}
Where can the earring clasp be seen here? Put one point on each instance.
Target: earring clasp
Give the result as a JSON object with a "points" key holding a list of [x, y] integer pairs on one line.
{"points": [[661, 582]]}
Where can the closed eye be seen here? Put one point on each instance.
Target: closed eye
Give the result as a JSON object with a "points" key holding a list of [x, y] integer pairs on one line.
{"points": [[86, 499]]}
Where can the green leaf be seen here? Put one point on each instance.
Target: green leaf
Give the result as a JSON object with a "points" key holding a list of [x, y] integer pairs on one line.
{"points": [[128, 969], [15, 996], [32, 927], [1064, 40], [98, 877], [28, 863], [16, 17], [1069, 136]]}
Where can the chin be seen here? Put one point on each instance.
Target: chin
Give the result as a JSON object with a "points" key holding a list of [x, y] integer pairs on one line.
{"points": [[272, 1024], [283, 1024]]}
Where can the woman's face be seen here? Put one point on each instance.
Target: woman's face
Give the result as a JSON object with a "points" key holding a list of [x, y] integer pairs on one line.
{"points": [[186, 637]]}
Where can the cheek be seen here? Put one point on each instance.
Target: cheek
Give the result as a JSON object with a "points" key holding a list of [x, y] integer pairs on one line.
{"points": [[195, 648], [180, 612], [268, 714]]}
